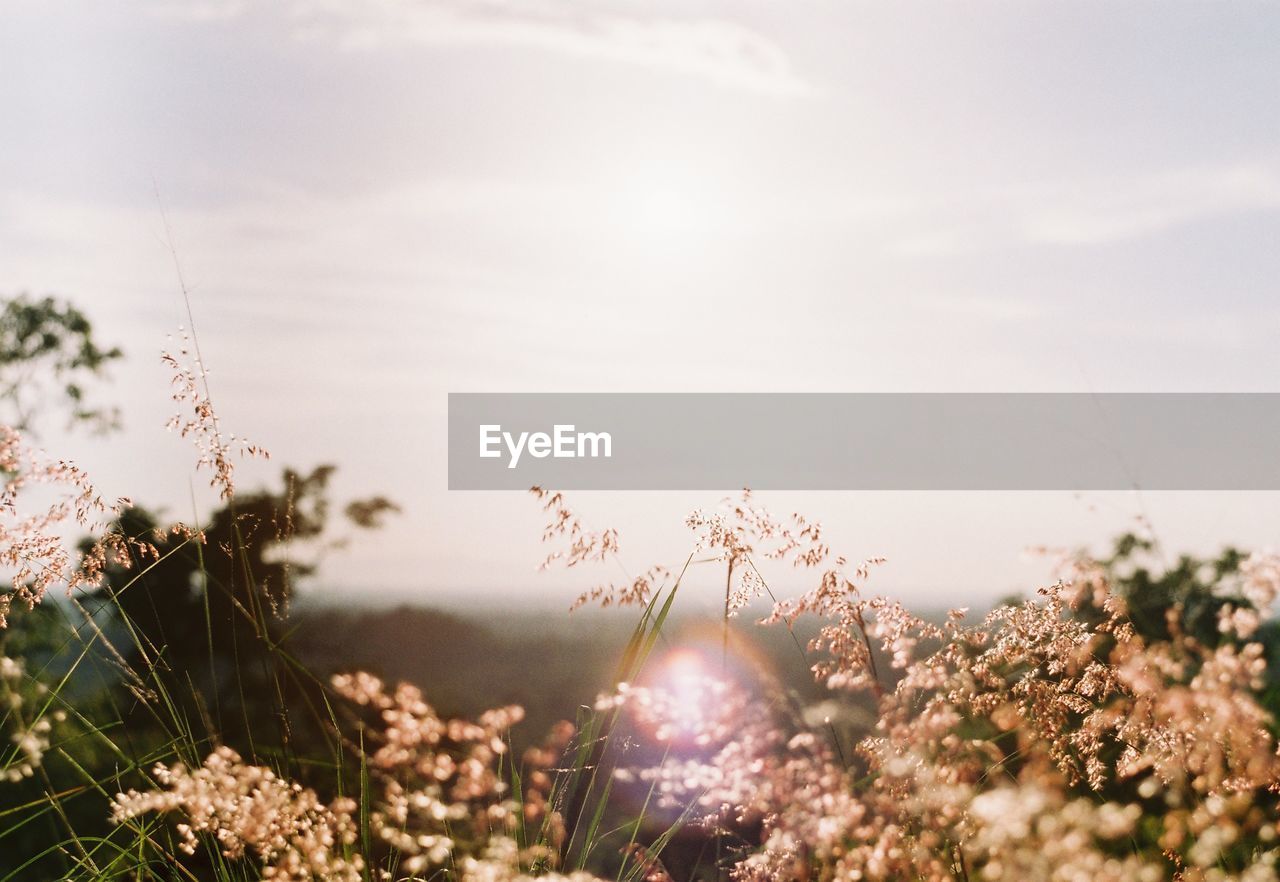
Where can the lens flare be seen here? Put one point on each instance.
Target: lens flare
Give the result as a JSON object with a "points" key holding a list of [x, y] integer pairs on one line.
{"points": [[692, 690]]}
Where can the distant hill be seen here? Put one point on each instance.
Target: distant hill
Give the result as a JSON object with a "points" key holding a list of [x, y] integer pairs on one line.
{"points": [[549, 662]]}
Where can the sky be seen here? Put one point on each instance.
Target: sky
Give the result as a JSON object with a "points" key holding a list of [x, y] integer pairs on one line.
{"points": [[376, 203]]}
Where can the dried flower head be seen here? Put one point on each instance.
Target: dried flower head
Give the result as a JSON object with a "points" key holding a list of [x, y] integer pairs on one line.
{"points": [[190, 391]]}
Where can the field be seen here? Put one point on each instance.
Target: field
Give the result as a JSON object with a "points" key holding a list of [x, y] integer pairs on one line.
{"points": [[617, 441], [174, 712]]}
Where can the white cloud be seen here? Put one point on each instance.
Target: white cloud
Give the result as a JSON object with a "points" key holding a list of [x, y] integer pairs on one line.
{"points": [[198, 10], [980, 309], [1112, 211], [722, 51], [1077, 212]]}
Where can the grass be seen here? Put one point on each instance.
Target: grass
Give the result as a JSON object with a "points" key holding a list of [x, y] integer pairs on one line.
{"points": [[169, 721]]}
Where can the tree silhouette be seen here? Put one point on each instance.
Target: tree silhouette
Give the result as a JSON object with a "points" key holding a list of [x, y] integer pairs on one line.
{"points": [[47, 354], [206, 611]]}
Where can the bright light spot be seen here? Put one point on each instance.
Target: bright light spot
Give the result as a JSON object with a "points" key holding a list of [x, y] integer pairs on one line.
{"points": [[668, 207], [665, 210], [692, 691], [687, 675]]}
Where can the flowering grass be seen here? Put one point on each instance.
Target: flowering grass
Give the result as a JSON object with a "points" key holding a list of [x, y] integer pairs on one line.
{"points": [[1118, 726]]}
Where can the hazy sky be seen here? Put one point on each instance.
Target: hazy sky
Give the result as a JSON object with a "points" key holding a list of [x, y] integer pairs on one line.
{"points": [[376, 203]]}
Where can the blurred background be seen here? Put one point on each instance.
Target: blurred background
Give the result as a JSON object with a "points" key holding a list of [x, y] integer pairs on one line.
{"points": [[362, 207], [375, 204]]}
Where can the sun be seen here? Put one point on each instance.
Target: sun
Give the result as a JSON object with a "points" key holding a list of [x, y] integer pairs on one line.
{"points": [[665, 210], [691, 696]]}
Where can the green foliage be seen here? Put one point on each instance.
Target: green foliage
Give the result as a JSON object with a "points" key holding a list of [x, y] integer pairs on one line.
{"points": [[47, 341], [1195, 587], [183, 649], [206, 609]]}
